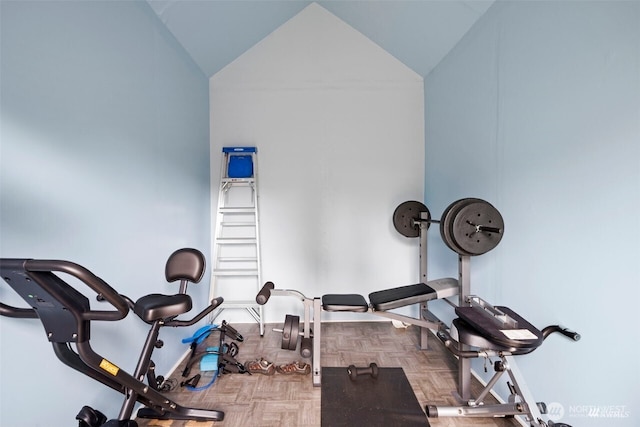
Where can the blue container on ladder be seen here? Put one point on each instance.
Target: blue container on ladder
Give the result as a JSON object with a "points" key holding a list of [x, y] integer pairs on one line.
{"points": [[240, 161]]}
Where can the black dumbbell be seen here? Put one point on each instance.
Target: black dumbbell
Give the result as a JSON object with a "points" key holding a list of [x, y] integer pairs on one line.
{"points": [[371, 370]]}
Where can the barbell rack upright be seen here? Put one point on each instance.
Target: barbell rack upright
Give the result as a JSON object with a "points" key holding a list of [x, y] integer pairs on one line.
{"points": [[464, 365], [236, 268]]}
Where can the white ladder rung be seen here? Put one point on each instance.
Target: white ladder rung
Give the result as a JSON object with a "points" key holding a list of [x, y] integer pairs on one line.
{"points": [[238, 224], [236, 241], [231, 210], [237, 181], [233, 272], [237, 259]]}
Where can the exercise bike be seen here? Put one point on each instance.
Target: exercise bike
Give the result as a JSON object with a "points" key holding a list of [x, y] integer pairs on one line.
{"points": [[67, 315]]}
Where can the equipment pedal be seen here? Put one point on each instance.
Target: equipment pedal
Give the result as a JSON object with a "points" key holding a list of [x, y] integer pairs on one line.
{"points": [[89, 417]]}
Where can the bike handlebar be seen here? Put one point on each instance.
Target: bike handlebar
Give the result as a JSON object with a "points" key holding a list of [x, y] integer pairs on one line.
{"points": [[21, 313], [214, 303], [85, 276]]}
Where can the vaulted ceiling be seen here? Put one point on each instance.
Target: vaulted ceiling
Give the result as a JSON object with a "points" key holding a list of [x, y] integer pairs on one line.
{"points": [[419, 33]]}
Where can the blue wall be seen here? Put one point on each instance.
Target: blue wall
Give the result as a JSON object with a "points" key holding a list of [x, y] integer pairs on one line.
{"points": [[537, 110], [104, 161]]}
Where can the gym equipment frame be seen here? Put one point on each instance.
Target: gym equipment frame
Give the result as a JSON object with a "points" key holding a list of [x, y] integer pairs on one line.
{"points": [[502, 333], [381, 303], [469, 227], [66, 316]]}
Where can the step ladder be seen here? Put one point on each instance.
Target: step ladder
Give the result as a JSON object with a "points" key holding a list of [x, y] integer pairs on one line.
{"points": [[236, 273]]}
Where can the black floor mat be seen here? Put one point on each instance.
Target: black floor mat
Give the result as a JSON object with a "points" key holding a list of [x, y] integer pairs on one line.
{"points": [[384, 401]]}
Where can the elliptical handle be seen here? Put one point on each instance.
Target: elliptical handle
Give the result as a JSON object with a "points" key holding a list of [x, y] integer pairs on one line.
{"points": [[265, 293]]}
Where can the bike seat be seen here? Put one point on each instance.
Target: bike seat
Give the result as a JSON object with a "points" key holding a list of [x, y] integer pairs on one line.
{"points": [[186, 265], [157, 306]]}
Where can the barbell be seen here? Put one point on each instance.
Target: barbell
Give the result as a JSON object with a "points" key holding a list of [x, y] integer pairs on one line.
{"points": [[468, 226]]}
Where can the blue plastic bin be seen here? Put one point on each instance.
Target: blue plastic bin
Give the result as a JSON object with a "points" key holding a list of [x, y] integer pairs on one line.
{"points": [[240, 164]]}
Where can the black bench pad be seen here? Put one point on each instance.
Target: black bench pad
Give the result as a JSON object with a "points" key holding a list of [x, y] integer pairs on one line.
{"points": [[389, 299], [399, 297], [413, 294], [477, 324], [344, 302]]}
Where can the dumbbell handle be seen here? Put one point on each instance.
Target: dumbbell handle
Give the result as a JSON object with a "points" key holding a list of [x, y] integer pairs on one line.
{"points": [[354, 372]]}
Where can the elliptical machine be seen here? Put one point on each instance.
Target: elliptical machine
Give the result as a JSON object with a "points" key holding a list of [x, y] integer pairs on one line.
{"points": [[67, 315]]}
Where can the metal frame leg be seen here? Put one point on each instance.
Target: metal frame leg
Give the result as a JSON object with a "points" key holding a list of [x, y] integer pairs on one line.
{"points": [[317, 350], [424, 332], [523, 391], [464, 365], [521, 403]]}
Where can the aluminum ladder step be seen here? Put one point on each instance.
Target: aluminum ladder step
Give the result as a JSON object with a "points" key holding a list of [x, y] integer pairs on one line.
{"points": [[237, 210], [236, 240], [235, 272]]}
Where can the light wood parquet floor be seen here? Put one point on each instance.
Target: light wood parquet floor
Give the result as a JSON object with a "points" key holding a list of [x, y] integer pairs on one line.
{"points": [[291, 400]]}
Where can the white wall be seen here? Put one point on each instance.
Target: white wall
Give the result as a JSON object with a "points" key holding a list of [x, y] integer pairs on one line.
{"points": [[538, 111], [104, 161], [338, 124]]}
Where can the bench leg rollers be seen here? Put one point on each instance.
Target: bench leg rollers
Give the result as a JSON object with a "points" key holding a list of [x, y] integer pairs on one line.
{"points": [[306, 347]]}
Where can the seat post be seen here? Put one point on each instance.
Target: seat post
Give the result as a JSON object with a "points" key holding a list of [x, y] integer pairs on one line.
{"points": [[141, 369], [183, 286]]}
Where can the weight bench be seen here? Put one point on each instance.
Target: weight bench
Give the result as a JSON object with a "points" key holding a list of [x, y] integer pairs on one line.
{"points": [[381, 302], [482, 330], [388, 299]]}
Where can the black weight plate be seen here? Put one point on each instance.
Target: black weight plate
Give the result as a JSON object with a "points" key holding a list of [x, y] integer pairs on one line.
{"points": [[452, 216], [290, 332], [286, 332], [447, 221], [444, 224], [295, 333], [405, 215], [464, 230], [374, 370]]}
